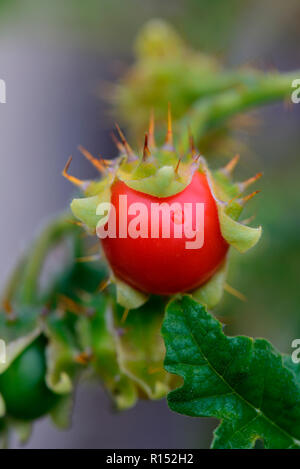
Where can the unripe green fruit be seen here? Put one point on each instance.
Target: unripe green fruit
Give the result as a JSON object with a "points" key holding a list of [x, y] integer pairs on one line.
{"points": [[23, 385]]}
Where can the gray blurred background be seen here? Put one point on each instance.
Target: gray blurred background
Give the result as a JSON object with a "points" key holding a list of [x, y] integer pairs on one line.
{"points": [[53, 55]]}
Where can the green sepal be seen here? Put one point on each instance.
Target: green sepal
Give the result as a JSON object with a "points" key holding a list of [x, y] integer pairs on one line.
{"points": [[16, 347], [96, 334], [22, 322], [61, 413], [22, 429], [57, 379], [2, 407], [129, 297], [61, 351], [234, 209], [161, 184], [99, 186], [210, 294], [141, 349], [85, 208], [144, 170], [225, 188], [240, 236]]}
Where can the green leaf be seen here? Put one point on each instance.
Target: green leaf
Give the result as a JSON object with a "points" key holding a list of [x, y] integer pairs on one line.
{"points": [[294, 367], [242, 381]]}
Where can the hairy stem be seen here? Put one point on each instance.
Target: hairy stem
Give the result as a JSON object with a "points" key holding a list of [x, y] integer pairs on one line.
{"points": [[254, 89]]}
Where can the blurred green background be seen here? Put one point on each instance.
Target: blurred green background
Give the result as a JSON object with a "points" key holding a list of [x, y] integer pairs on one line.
{"points": [[55, 56]]}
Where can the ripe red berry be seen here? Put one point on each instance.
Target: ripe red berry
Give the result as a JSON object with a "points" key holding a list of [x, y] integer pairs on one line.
{"points": [[165, 265], [164, 253]]}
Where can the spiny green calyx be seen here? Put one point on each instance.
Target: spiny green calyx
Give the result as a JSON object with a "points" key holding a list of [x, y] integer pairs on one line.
{"points": [[163, 172]]}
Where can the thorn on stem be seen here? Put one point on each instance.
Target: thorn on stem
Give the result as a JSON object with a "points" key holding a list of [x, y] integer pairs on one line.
{"points": [[248, 220], [177, 165], [232, 291], [192, 143], [118, 144], [7, 306], [72, 179], [67, 304], [107, 162], [152, 370], [146, 151], [91, 258], [243, 185], [94, 161], [169, 136], [151, 138], [84, 358], [246, 199], [103, 285], [126, 145], [124, 316], [231, 165], [76, 222]]}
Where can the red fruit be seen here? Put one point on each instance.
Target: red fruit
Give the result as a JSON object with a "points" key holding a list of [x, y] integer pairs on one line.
{"points": [[164, 265]]}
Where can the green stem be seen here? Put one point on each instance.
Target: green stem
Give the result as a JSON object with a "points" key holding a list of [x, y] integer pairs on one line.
{"points": [[14, 281], [53, 233], [254, 89]]}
